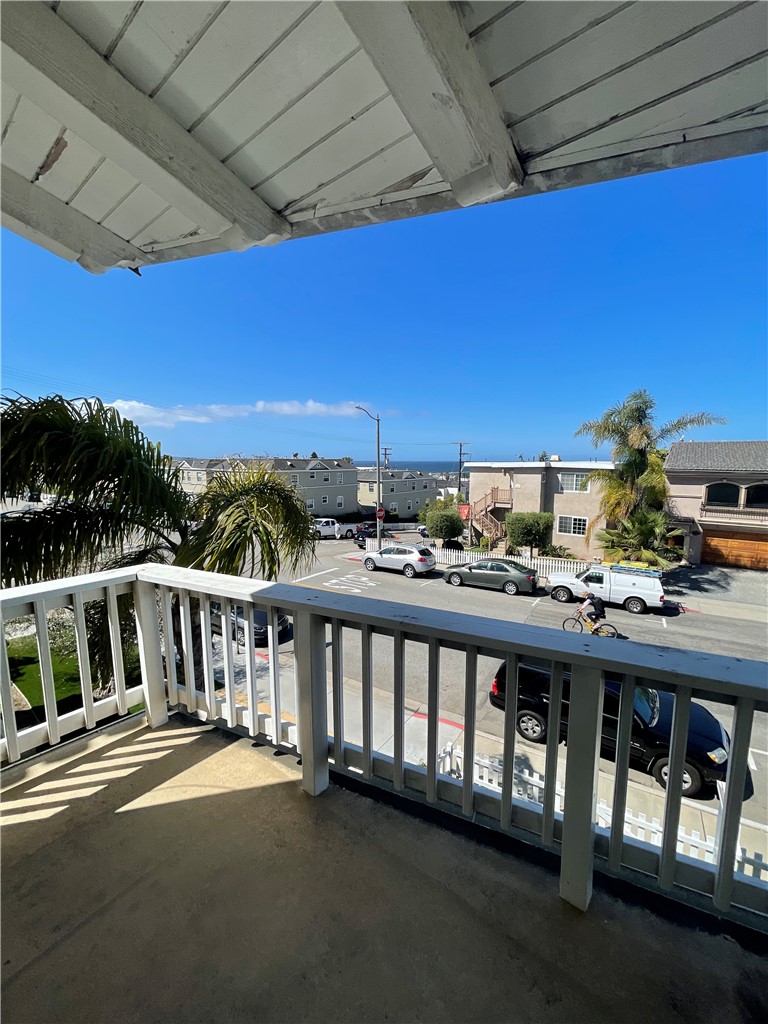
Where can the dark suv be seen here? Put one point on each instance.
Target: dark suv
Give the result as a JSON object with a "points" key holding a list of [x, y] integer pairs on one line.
{"points": [[237, 624], [706, 760]]}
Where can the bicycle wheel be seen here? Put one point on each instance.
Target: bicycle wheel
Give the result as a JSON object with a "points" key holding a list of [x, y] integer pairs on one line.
{"points": [[573, 625], [606, 629]]}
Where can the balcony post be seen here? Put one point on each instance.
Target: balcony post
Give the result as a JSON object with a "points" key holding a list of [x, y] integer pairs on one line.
{"points": [[150, 655], [312, 712], [582, 764]]}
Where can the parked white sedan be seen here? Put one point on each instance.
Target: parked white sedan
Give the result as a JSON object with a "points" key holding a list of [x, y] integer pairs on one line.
{"points": [[409, 559]]}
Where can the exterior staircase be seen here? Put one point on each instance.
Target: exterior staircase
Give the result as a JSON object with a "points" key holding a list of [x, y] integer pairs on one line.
{"points": [[491, 527]]}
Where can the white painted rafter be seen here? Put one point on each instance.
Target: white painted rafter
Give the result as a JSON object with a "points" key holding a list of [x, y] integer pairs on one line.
{"points": [[42, 218], [423, 53], [46, 60]]}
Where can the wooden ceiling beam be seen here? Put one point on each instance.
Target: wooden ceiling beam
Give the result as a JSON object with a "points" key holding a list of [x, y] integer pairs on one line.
{"points": [[47, 61], [423, 53]]}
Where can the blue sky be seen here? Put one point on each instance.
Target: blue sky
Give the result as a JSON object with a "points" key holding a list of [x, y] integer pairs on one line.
{"points": [[505, 326]]}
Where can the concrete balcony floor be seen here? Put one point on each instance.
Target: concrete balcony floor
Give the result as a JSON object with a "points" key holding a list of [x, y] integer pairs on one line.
{"points": [[182, 875]]}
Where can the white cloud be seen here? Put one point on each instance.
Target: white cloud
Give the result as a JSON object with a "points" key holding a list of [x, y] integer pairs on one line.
{"points": [[157, 416]]}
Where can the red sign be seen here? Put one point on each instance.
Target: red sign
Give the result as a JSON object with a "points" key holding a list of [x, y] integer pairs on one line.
{"points": [[379, 513], [464, 511]]}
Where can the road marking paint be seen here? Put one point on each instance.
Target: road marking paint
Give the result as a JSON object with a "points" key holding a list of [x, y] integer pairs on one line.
{"points": [[443, 721], [535, 602], [756, 750], [751, 762], [427, 583], [696, 611], [323, 573], [664, 623]]}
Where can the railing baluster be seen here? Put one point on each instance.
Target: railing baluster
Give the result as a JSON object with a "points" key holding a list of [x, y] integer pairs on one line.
{"points": [[312, 709], [553, 744], [186, 647], [171, 679], [399, 707], [6, 700], [621, 775], [680, 719], [46, 672], [274, 678], [150, 658], [251, 689], [337, 684], [229, 666], [433, 713], [470, 705], [734, 795], [208, 677], [83, 659], [113, 617], [508, 755], [367, 699], [581, 768]]}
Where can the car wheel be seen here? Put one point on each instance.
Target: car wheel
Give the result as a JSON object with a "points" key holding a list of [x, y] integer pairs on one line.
{"points": [[240, 635], [409, 571], [562, 594], [318, 535], [636, 605], [455, 580], [511, 588], [692, 780], [532, 726], [369, 564]]}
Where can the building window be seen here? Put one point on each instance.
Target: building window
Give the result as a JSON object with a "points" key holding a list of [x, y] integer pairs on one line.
{"points": [[410, 506], [393, 506], [391, 488], [310, 503], [413, 487], [757, 496], [312, 474], [294, 478], [572, 524], [417, 501], [199, 477], [424, 485], [324, 499], [339, 478], [326, 478], [371, 488], [574, 481], [339, 501], [723, 494]]}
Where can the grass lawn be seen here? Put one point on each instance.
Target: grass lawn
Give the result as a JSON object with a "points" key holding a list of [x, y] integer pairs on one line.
{"points": [[25, 671]]}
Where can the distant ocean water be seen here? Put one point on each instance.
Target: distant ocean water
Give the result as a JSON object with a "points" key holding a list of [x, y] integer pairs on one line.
{"points": [[422, 466]]}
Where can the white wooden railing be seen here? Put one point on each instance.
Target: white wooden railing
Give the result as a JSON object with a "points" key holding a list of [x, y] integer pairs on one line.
{"points": [[289, 701]]}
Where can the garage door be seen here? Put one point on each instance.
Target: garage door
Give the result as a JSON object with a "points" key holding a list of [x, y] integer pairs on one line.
{"points": [[724, 547]]}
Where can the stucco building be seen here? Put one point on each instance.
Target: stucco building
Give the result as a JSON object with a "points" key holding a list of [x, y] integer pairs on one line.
{"points": [[496, 488], [718, 493], [404, 492]]}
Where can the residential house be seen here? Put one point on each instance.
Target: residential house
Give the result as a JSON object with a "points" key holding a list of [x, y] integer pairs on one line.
{"points": [[561, 488], [196, 474], [404, 492], [328, 486], [718, 492]]}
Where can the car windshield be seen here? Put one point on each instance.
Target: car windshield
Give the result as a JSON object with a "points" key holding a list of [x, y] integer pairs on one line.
{"points": [[647, 705], [520, 568]]}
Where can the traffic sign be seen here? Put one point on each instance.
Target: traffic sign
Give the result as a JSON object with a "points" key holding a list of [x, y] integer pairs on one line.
{"points": [[379, 513]]}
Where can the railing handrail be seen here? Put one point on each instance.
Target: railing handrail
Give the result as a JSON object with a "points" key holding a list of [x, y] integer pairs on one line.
{"points": [[730, 678]]}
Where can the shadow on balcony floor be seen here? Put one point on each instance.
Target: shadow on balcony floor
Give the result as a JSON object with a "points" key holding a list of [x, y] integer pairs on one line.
{"points": [[182, 875]]}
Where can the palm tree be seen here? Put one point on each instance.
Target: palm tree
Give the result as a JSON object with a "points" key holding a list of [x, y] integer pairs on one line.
{"points": [[118, 501], [643, 536], [637, 448]]}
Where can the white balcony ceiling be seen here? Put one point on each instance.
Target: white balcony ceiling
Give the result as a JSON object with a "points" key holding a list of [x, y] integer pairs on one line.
{"points": [[142, 132]]}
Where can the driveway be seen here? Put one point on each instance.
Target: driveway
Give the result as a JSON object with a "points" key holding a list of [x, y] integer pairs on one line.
{"points": [[723, 583]]}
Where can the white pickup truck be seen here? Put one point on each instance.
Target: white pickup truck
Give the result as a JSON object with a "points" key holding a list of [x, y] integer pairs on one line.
{"points": [[325, 528], [635, 589]]}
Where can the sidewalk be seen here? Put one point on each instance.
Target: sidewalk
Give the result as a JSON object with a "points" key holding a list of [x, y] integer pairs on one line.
{"points": [[726, 609]]}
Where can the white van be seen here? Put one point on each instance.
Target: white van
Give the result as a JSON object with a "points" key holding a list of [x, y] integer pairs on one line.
{"points": [[635, 589]]}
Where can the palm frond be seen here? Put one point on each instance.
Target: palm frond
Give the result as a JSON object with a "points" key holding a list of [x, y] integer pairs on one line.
{"points": [[682, 423]]}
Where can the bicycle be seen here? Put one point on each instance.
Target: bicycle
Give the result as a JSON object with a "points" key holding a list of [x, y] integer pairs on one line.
{"points": [[577, 622]]}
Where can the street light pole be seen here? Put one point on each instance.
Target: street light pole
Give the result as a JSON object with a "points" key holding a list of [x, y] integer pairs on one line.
{"points": [[378, 471]]}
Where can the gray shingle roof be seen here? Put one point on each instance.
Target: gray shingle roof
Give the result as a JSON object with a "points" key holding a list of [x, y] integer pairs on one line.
{"points": [[718, 457]]}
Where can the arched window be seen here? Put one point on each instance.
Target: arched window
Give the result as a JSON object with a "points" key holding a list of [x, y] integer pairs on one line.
{"points": [[757, 496], [723, 494]]}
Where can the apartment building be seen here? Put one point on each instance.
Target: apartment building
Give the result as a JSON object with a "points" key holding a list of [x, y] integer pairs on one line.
{"points": [[404, 492]]}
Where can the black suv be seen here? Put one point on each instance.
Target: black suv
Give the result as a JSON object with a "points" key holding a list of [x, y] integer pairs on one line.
{"points": [[706, 760], [237, 624]]}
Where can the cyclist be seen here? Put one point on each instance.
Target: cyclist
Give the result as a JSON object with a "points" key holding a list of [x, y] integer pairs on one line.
{"points": [[592, 607]]}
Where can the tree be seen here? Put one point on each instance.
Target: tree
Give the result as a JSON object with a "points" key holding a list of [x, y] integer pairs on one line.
{"points": [[644, 536], [314, 455], [636, 446], [531, 529], [445, 523], [543, 457], [448, 502]]}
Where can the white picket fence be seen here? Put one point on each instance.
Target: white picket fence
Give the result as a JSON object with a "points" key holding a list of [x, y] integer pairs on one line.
{"points": [[529, 786], [543, 566]]}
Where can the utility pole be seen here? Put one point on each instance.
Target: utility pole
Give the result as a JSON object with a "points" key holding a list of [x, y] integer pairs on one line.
{"points": [[385, 452], [379, 509], [461, 445]]}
